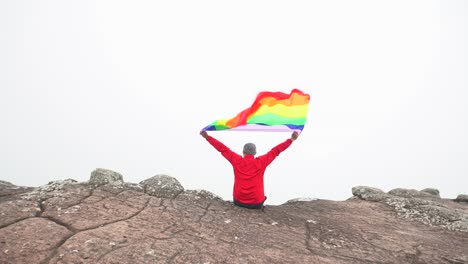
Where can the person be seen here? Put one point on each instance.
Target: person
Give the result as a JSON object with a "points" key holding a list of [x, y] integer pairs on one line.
{"points": [[249, 170]]}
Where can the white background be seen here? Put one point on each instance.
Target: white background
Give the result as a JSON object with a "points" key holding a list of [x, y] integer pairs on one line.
{"points": [[127, 86]]}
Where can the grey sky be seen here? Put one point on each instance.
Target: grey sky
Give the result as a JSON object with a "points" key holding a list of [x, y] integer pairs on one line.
{"points": [[127, 85]]}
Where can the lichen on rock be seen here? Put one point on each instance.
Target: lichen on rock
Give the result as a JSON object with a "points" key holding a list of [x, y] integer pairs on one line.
{"points": [[368, 193], [421, 206], [409, 193], [162, 186], [103, 176]]}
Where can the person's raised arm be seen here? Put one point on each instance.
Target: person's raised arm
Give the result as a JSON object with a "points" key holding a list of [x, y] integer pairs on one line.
{"points": [[274, 152], [225, 151]]}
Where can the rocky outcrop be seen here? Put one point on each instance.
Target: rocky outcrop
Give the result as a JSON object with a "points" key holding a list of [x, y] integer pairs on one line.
{"points": [[462, 198], [9, 190], [368, 193], [409, 193], [420, 206], [432, 191], [162, 186], [5, 184], [72, 222], [102, 176]]}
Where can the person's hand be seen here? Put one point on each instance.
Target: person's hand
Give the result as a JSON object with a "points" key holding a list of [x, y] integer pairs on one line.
{"points": [[294, 135], [204, 134]]}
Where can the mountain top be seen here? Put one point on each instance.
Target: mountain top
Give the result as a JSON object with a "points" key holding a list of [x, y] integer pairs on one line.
{"points": [[107, 220]]}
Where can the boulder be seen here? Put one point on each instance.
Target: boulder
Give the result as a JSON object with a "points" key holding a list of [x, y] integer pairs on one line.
{"points": [[368, 193], [6, 184], [462, 198], [102, 176], [162, 186], [409, 193], [432, 191]]}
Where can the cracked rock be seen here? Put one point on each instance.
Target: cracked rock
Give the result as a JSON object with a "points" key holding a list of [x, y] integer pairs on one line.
{"points": [[82, 223]]}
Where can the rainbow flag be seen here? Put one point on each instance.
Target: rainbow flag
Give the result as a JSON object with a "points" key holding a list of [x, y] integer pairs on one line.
{"points": [[271, 111]]}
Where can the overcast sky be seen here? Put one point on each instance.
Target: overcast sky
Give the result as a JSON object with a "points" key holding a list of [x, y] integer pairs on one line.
{"points": [[127, 86]]}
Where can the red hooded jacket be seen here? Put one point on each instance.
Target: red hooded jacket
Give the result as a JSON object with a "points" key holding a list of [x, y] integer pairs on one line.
{"points": [[249, 170]]}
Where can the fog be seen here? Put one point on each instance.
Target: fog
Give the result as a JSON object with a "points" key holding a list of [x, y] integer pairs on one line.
{"points": [[127, 86]]}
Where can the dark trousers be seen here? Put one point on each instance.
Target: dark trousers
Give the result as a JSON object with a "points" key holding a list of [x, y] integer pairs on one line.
{"points": [[250, 206]]}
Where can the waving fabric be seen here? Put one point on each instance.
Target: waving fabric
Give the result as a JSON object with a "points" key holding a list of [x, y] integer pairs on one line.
{"points": [[271, 111]]}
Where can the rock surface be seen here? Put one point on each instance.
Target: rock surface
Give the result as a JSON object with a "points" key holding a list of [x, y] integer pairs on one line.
{"points": [[9, 190], [70, 222]]}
